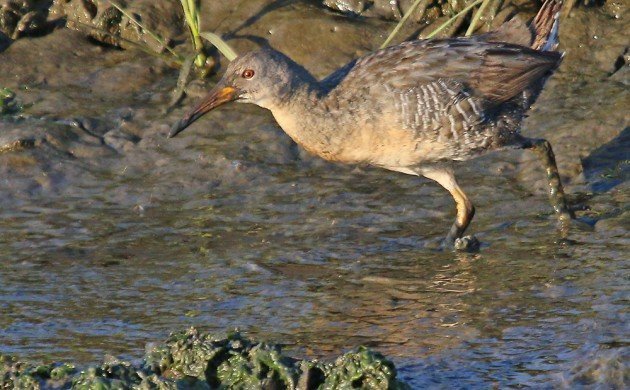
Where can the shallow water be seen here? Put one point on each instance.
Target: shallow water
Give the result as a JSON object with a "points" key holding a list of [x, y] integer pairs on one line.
{"points": [[113, 236], [318, 257]]}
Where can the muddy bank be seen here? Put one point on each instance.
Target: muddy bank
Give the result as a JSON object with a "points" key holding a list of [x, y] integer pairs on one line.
{"points": [[194, 360]]}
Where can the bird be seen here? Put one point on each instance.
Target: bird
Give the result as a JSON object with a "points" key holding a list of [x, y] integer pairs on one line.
{"points": [[416, 108]]}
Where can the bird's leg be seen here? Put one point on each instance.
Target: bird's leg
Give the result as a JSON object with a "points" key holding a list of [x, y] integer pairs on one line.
{"points": [[542, 148], [465, 209]]}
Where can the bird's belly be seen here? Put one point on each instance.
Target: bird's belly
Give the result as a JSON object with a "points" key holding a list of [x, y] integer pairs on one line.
{"points": [[389, 147], [395, 148], [384, 143]]}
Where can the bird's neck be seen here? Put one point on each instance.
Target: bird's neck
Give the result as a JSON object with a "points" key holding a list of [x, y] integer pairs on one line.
{"points": [[305, 115]]}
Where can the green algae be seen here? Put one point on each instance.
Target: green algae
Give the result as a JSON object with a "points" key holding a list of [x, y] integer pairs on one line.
{"points": [[8, 102], [196, 360], [21, 375], [364, 369]]}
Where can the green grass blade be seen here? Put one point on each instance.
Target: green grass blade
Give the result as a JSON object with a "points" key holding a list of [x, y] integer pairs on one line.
{"points": [[192, 5], [220, 44], [191, 13], [403, 20], [189, 20], [477, 17], [451, 20], [184, 4]]}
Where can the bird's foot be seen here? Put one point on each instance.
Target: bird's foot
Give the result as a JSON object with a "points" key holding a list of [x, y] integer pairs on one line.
{"points": [[466, 244]]}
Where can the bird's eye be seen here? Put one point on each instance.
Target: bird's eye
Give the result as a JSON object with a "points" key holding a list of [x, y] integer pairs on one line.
{"points": [[248, 73]]}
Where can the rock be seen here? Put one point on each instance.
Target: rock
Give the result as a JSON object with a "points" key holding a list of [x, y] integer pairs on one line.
{"points": [[105, 23], [22, 17]]}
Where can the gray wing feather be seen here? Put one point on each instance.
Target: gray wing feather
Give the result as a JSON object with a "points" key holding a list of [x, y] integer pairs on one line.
{"points": [[493, 71]]}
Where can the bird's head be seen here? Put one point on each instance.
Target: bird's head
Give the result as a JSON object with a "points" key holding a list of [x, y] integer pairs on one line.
{"points": [[264, 77]]}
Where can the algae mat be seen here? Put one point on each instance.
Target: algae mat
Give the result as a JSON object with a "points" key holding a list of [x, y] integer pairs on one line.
{"points": [[193, 360]]}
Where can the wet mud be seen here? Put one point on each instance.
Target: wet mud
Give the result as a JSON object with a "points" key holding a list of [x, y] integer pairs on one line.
{"points": [[112, 236]]}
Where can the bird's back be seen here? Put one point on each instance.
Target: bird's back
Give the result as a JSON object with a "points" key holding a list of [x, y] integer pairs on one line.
{"points": [[447, 99]]}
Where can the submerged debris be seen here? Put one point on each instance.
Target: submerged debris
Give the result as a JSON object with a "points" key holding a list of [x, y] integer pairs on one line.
{"points": [[197, 360]]}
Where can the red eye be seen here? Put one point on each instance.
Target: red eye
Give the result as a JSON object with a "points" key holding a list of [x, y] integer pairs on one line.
{"points": [[248, 73]]}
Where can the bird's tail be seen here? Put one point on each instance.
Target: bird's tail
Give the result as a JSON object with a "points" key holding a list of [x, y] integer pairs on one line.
{"points": [[545, 26]]}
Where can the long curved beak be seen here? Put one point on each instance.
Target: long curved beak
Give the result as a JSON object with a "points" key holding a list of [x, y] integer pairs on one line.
{"points": [[217, 96]]}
